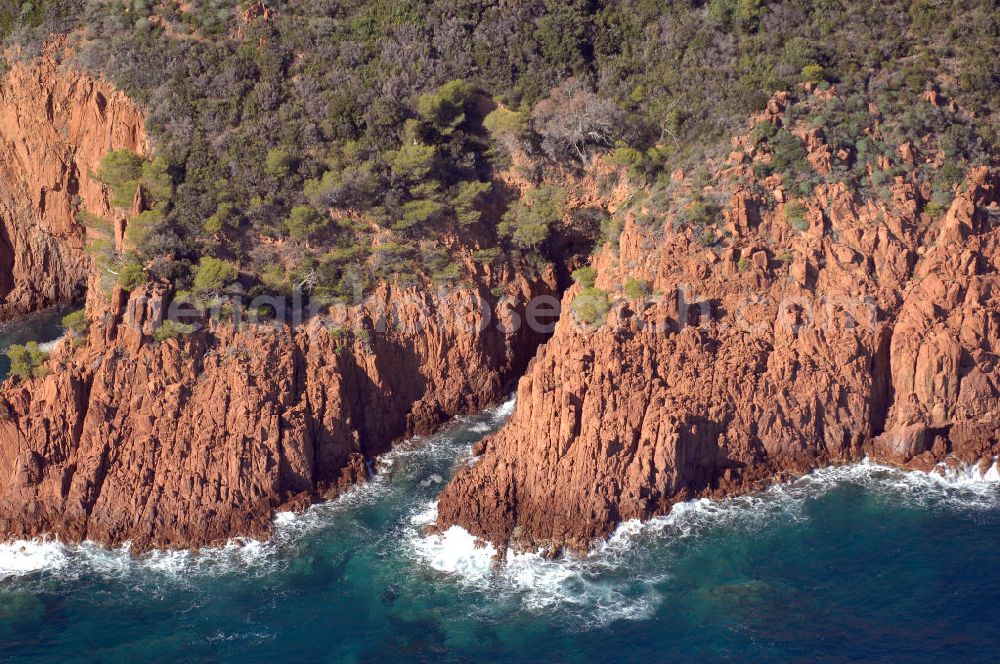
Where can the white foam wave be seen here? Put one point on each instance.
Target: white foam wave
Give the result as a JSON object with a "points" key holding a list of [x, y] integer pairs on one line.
{"points": [[965, 487], [426, 516], [575, 586], [71, 561], [49, 346], [24, 557], [456, 551], [504, 410], [240, 555], [971, 475], [584, 585]]}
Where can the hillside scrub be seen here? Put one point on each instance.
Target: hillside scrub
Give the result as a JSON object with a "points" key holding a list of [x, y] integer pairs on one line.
{"points": [[396, 115]]}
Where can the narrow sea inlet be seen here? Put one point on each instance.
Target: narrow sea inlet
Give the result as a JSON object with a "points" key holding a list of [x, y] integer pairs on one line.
{"points": [[859, 562]]}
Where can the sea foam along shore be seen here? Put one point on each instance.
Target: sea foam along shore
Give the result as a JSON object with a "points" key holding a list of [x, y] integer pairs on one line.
{"points": [[600, 585], [617, 580], [240, 555]]}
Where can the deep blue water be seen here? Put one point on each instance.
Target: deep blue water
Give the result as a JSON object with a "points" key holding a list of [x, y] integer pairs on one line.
{"points": [[858, 563]]}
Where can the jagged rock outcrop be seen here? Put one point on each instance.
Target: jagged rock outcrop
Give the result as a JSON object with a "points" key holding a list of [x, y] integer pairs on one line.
{"points": [[871, 332], [191, 441], [55, 125], [200, 438]]}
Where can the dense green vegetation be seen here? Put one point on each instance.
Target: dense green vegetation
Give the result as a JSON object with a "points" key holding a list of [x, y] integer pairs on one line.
{"points": [[395, 114], [76, 322]]}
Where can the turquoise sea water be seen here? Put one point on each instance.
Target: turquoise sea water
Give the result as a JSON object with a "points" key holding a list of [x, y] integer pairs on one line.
{"points": [[858, 563]]}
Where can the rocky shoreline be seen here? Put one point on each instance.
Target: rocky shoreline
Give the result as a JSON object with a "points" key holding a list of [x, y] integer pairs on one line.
{"points": [[863, 329]]}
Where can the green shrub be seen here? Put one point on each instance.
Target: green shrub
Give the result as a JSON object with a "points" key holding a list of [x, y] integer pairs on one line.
{"points": [[304, 222], [157, 182], [708, 238], [131, 276], [939, 203], [27, 361], [701, 212], [225, 215], [632, 159], [274, 280], [795, 215], [439, 264], [788, 153], [505, 121], [121, 170], [76, 322], [413, 161], [591, 305], [466, 200], [171, 329], [585, 276], [141, 226], [637, 289], [765, 130], [529, 220], [611, 230], [212, 225], [445, 108], [949, 175], [418, 211], [278, 162], [881, 178], [813, 73], [213, 275], [487, 256]]}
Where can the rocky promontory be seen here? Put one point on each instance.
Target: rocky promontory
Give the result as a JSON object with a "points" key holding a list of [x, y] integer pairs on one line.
{"points": [[126, 435], [822, 329]]}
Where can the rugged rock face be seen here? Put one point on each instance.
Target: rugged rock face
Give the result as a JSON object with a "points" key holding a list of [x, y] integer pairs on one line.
{"points": [[190, 442], [197, 439], [55, 126], [870, 333]]}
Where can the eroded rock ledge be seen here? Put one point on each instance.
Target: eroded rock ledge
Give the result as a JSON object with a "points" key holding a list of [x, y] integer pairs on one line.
{"points": [[872, 332]]}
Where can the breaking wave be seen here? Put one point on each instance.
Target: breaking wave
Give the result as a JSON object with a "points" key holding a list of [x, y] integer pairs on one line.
{"points": [[601, 587], [625, 577], [244, 556]]}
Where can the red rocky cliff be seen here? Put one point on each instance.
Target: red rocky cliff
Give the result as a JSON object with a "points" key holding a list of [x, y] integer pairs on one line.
{"points": [[55, 125], [191, 441], [869, 330]]}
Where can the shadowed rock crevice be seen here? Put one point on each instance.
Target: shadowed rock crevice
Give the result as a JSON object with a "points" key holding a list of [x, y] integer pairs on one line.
{"points": [[6, 264]]}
